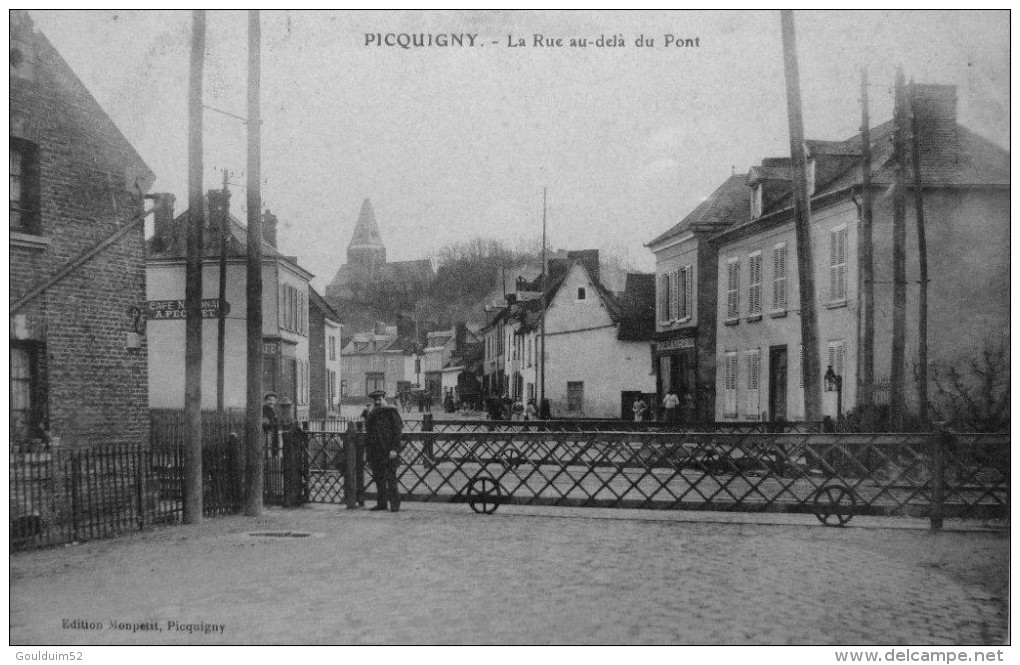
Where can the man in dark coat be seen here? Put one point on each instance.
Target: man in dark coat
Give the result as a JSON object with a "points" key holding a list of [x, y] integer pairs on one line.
{"points": [[382, 443]]}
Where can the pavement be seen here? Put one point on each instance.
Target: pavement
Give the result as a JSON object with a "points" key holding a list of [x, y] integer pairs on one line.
{"points": [[440, 574]]}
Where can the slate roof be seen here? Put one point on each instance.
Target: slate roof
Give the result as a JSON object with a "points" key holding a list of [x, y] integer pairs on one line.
{"points": [[730, 202], [318, 301], [175, 246], [366, 231]]}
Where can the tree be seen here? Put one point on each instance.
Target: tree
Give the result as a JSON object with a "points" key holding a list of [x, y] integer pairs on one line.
{"points": [[973, 393]]}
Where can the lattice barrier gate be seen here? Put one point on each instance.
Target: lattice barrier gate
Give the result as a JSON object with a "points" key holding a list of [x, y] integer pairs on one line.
{"points": [[922, 475]]}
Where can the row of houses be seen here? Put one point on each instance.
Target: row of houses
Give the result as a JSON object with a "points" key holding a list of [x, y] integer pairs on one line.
{"points": [[719, 321], [728, 331]]}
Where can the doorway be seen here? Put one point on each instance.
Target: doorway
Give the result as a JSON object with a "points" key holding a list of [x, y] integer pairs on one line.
{"points": [[777, 383]]}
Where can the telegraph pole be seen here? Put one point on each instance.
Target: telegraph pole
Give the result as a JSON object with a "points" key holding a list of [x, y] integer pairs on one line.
{"points": [[866, 269], [223, 211], [544, 304], [899, 229], [810, 369], [254, 460], [922, 262], [193, 282]]}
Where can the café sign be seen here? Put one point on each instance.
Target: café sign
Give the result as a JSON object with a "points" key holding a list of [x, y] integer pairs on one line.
{"points": [[675, 344], [168, 310]]}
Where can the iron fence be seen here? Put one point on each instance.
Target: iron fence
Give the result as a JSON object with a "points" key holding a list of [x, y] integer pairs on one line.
{"points": [[598, 425], [876, 474]]}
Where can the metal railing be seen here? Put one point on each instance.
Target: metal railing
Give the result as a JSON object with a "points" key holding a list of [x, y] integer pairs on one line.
{"points": [[927, 475]]}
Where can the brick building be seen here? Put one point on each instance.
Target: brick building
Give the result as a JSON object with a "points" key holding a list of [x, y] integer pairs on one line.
{"points": [[77, 258]]}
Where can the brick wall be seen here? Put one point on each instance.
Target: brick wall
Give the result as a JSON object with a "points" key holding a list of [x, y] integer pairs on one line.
{"points": [[90, 183]]}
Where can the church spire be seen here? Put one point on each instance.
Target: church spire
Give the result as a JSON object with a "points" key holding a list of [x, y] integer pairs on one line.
{"points": [[366, 232]]}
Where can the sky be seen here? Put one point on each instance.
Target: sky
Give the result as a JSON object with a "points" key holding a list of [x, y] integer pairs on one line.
{"points": [[457, 142]]}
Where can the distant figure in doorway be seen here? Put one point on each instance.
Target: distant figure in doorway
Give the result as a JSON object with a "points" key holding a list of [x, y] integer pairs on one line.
{"points": [[531, 411], [640, 409], [670, 405], [382, 442]]}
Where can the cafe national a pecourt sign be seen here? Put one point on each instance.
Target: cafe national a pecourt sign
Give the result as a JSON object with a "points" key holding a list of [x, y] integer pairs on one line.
{"points": [[171, 310]]}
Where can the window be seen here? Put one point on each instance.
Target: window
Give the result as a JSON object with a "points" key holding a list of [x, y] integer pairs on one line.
{"points": [[374, 381], [733, 289], [730, 385], [756, 202], [684, 288], [575, 395], [581, 294], [28, 413], [343, 387], [24, 186], [753, 375], [294, 310], [837, 264], [664, 301], [332, 347], [754, 284], [779, 278], [837, 354]]}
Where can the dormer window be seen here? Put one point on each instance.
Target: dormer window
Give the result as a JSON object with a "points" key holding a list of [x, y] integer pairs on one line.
{"points": [[756, 201]]}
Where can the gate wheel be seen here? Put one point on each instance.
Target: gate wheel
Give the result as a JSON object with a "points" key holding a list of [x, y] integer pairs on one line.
{"points": [[484, 495], [511, 458], [831, 503]]}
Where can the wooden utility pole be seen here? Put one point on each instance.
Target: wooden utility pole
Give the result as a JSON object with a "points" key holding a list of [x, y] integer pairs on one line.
{"points": [[223, 212], [922, 263], [254, 459], [541, 368], [899, 322], [866, 269], [810, 368], [193, 283]]}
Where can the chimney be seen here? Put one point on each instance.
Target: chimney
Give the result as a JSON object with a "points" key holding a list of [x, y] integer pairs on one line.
{"points": [[589, 258], [163, 216], [460, 335], [934, 107], [269, 223]]}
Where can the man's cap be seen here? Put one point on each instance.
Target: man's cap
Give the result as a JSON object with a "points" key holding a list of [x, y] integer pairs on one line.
{"points": [[377, 394], [268, 395]]}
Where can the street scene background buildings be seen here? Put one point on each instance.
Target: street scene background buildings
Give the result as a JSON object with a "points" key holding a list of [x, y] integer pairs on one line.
{"points": [[365, 231]]}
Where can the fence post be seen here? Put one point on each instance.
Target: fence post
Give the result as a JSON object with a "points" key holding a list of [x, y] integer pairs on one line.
{"points": [[350, 467], [427, 427], [75, 496], [940, 439]]}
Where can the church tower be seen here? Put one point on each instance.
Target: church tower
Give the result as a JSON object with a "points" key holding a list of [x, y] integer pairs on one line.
{"points": [[366, 255]]}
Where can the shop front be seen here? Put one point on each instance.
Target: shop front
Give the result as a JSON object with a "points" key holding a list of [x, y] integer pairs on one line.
{"points": [[676, 366]]}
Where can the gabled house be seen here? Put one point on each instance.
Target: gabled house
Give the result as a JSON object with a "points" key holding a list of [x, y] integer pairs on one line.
{"points": [[285, 320], [597, 342], [78, 361], [965, 182]]}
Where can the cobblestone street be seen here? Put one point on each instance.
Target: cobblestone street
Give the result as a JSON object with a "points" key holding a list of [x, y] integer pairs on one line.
{"points": [[439, 574]]}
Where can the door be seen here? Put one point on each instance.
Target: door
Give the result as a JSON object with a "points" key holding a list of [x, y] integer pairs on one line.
{"points": [[687, 385], [777, 383]]}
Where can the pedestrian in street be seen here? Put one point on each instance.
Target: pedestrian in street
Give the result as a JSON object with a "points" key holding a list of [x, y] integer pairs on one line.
{"points": [[271, 423], [428, 401], [382, 442], [517, 411], [531, 411], [669, 405], [639, 408]]}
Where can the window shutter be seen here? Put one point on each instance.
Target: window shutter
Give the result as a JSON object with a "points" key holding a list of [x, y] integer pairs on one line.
{"points": [[779, 277], [733, 290], [754, 284], [837, 264], [688, 291], [664, 297]]}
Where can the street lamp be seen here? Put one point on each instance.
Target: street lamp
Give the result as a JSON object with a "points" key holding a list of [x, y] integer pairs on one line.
{"points": [[834, 383]]}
